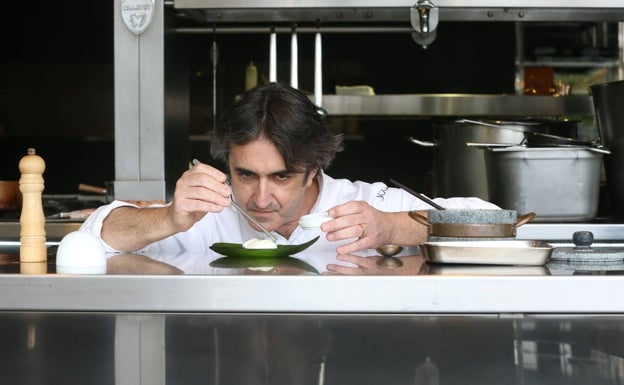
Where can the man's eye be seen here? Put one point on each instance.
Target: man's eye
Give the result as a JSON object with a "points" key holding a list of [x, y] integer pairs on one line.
{"points": [[282, 177], [245, 175]]}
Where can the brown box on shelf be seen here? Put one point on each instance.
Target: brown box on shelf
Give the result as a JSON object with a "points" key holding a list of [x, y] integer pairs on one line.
{"points": [[539, 80]]}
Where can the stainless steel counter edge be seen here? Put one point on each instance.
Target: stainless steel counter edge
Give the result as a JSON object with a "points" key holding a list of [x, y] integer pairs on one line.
{"points": [[611, 232], [313, 294]]}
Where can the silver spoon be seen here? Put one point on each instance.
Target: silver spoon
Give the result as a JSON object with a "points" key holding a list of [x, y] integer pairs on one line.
{"points": [[388, 252], [245, 213]]}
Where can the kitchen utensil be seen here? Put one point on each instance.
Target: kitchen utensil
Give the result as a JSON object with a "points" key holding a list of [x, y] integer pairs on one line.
{"points": [[459, 169], [318, 70], [558, 184], [237, 250], [584, 252], [214, 59], [273, 56], [608, 99], [294, 64], [72, 215], [388, 252], [108, 190], [92, 189], [461, 224], [541, 139], [532, 253], [245, 213], [252, 219], [418, 195]]}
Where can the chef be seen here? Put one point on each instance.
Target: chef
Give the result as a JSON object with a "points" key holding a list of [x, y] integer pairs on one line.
{"points": [[276, 147]]}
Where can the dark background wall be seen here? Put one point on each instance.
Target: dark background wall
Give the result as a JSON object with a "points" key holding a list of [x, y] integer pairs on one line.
{"points": [[57, 95]]}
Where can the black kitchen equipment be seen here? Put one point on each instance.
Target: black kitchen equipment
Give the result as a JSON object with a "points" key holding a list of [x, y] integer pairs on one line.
{"points": [[460, 169], [609, 107]]}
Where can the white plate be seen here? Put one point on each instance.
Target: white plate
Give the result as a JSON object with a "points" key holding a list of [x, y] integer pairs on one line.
{"points": [[532, 253]]}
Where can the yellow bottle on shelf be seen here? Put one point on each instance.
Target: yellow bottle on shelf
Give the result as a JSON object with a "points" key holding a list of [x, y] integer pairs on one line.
{"points": [[251, 76]]}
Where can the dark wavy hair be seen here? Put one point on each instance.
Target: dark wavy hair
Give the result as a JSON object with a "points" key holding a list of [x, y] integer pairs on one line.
{"points": [[286, 117]]}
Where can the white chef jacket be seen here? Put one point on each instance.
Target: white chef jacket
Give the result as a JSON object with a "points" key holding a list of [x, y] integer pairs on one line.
{"points": [[230, 226]]}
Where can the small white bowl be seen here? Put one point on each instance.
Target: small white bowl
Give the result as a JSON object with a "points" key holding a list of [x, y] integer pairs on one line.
{"points": [[313, 221]]}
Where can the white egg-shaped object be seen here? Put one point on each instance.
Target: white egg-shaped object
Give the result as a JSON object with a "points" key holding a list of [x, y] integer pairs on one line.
{"points": [[80, 252], [314, 221]]}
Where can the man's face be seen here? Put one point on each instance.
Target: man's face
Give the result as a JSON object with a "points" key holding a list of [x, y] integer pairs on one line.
{"points": [[263, 186]]}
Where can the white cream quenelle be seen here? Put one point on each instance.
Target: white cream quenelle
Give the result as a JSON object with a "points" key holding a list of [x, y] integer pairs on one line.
{"points": [[258, 243]]}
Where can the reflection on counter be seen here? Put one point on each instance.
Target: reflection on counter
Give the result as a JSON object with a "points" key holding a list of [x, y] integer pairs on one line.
{"points": [[413, 265], [191, 348]]}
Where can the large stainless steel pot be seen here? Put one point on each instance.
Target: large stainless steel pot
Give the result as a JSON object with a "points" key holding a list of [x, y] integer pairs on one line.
{"points": [[460, 169], [609, 107], [559, 184]]}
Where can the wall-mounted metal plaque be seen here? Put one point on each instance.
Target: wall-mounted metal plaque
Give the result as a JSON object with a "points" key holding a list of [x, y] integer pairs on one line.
{"points": [[137, 14]]}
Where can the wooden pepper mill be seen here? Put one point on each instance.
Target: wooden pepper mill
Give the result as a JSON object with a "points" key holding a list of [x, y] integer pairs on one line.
{"points": [[32, 220]]}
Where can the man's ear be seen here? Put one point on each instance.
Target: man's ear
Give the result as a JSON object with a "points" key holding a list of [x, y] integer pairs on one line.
{"points": [[311, 176]]}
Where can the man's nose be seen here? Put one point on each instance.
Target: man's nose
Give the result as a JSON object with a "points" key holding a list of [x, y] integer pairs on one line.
{"points": [[263, 196]]}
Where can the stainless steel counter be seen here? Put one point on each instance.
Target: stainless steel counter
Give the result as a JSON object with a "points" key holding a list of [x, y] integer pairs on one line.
{"points": [[476, 294], [175, 319], [188, 282]]}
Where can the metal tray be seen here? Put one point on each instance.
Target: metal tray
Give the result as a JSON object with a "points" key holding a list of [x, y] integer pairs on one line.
{"points": [[532, 253]]}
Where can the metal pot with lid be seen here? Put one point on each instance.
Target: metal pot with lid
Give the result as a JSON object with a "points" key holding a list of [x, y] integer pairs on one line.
{"points": [[466, 224], [460, 169], [583, 251]]}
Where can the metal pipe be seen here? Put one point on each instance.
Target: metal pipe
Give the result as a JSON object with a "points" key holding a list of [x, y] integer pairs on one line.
{"points": [[294, 65], [621, 51], [318, 70], [240, 30], [214, 58], [273, 56]]}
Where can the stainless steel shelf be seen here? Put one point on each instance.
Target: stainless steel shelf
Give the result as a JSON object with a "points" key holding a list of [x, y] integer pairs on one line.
{"points": [[372, 11], [562, 232], [55, 231], [458, 105], [573, 63]]}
